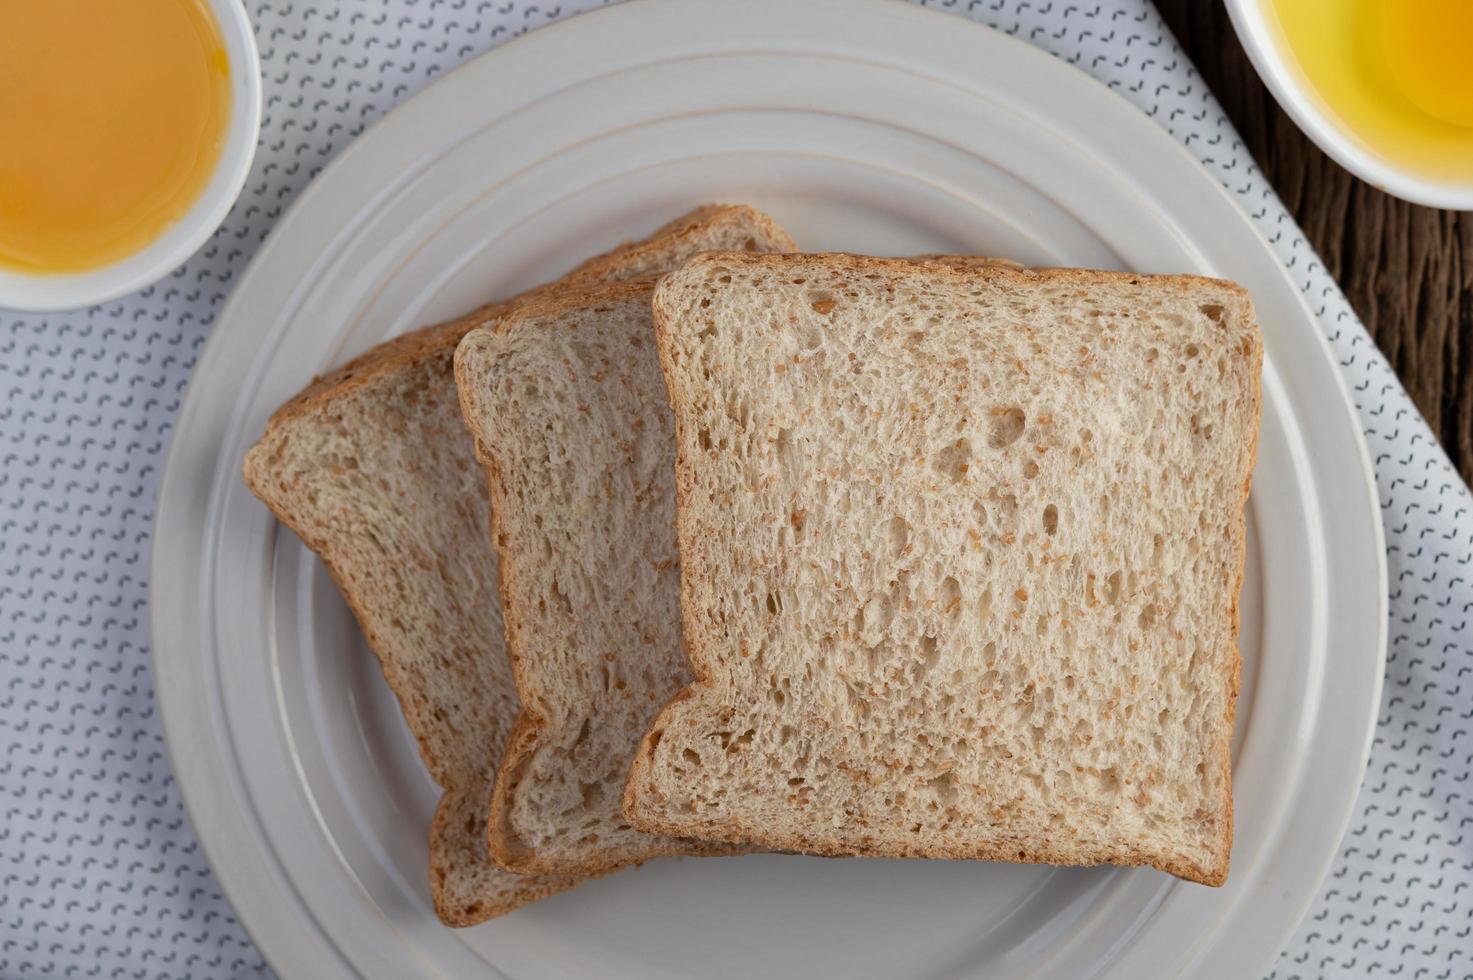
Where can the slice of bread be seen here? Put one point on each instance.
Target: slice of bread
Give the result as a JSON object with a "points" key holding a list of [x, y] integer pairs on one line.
{"points": [[568, 406], [372, 467], [961, 553]]}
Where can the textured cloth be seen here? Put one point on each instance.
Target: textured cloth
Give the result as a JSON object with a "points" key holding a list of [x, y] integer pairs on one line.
{"points": [[100, 873]]}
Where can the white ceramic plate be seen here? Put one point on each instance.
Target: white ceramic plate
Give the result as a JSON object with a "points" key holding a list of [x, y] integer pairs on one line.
{"points": [[862, 125]]}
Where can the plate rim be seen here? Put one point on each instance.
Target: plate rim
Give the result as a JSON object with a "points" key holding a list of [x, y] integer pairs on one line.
{"points": [[191, 759]]}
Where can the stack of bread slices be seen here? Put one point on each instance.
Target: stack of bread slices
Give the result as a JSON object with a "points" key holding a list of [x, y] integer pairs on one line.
{"points": [[712, 547]]}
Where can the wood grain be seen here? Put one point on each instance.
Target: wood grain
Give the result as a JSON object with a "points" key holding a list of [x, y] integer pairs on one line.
{"points": [[1407, 270]]}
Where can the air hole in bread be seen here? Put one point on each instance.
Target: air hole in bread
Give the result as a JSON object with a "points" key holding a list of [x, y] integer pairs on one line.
{"points": [[1112, 587], [930, 655], [822, 302], [898, 534], [739, 412], [703, 438], [796, 519], [1051, 520], [1213, 312], [561, 598], [1193, 350], [951, 596], [1148, 616], [944, 786], [954, 461], [1006, 427], [691, 756], [1006, 508]]}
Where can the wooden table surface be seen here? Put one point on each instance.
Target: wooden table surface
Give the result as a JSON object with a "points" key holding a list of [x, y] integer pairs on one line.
{"points": [[1407, 270]]}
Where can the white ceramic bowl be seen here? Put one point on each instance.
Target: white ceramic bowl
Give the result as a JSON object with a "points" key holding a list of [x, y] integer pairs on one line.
{"points": [[179, 241], [1265, 44]]}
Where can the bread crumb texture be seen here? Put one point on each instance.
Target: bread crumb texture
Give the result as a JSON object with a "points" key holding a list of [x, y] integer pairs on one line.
{"points": [[570, 409], [378, 476], [372, 467], [567, 403], [962, 550]]}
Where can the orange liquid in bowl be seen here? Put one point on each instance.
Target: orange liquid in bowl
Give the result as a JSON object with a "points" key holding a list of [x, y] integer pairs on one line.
{"points": [[1396, 75], [113, 115]]}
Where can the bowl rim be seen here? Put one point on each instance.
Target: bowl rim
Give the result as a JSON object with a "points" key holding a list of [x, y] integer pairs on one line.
{"points": [[55, 292], [1250, 19]]}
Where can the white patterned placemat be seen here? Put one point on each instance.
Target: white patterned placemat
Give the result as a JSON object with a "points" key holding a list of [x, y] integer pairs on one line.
{"points": [[100, 873]]}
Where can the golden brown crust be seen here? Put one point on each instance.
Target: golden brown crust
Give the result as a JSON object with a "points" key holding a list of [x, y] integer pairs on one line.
{"points": [[961, 269], [849, 845], [454, 806], [397, 352], [672, 236], [507, 849], [1217, 875]]}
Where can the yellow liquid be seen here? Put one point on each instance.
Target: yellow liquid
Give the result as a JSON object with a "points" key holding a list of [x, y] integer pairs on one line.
{"points": [[1397, 75], [112, 118]]}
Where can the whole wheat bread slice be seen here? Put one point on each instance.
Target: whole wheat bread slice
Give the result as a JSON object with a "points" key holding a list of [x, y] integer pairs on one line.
{"points": [[568, 406], [961, 554], [567, 403], [372, 467]]}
